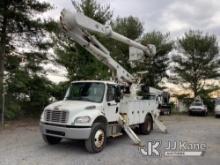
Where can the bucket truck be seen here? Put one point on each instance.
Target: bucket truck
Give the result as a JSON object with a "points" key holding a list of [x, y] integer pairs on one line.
{"points": [[94, 110]]}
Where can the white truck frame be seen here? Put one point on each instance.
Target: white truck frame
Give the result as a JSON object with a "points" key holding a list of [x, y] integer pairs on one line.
{"points": [[107, 110]]}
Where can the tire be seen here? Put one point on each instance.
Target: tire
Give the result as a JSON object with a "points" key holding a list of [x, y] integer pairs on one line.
{"points": [[51, 139], [97, 138], [147, 126]]}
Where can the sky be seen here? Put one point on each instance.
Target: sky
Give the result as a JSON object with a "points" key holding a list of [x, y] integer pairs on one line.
{"points": [[174, 16]]}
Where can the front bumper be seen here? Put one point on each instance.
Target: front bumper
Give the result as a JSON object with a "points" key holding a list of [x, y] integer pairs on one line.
{"points": [[65, 132]]}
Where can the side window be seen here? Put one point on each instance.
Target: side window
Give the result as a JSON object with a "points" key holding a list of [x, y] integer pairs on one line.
{"points": [[111, 93]]}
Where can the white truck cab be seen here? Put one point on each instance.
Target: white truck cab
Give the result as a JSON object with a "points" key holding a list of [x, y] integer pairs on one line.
{"points": [[90, 111]]}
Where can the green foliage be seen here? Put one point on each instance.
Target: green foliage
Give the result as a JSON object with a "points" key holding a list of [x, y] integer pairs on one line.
{"points": [[130, 27], [199, 61], [13, 109], [59, 90], [205, 95], [156, 65], [94, 10], [23, 48]]}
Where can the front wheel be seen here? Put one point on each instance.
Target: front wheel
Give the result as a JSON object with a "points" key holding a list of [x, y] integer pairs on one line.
{"points": [[147, 126], [51, 139], [97, 138]]}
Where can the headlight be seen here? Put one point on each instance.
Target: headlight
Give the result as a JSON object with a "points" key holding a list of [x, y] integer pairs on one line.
{"points": [[82, 119]]}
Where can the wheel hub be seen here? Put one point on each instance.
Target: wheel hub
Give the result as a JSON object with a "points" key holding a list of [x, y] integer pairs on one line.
{"points": [[99, 138]]}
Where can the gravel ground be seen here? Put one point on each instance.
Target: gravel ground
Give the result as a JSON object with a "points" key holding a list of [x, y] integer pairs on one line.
{"points": [[21, 143]]}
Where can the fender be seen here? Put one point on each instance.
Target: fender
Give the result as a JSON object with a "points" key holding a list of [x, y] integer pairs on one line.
{"points": [[95, 115]]}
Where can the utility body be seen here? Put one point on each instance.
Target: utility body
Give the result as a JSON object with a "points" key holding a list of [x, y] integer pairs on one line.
{"points": [[94, 110]]}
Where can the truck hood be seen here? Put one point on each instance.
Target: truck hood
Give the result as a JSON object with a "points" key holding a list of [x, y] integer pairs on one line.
{"points": [[70, 105]]}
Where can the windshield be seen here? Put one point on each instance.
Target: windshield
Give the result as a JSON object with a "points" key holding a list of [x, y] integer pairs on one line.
{"points": [[86, 91]]}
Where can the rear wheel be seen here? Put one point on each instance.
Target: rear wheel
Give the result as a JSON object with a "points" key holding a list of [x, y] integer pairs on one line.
{"points": [[97, 139], [51, 139], [147, 126]]}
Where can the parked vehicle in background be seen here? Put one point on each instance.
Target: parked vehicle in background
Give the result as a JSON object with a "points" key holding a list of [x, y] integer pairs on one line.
{"points": [[217, 107], [165, 107], [198, 107]]}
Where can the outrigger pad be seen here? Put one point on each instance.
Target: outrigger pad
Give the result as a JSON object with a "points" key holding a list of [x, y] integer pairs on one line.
{"points": [[129, 131], [156, 120]]}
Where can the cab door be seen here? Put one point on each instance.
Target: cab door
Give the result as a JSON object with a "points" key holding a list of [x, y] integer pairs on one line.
{"points": [[111, 106]]}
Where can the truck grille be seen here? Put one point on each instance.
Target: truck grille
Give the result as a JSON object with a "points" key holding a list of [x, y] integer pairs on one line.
{"points": [[56, 116]]}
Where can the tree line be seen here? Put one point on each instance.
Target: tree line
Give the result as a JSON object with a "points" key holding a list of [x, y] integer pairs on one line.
{"points": [[25, 41]]}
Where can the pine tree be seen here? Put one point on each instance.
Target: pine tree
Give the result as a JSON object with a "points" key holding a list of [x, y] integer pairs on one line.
{"points": [[156, 65], [23, 45], [198, 62]]}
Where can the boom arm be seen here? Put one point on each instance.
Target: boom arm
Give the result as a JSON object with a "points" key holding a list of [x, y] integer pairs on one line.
{"points": [[76, 26]]}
